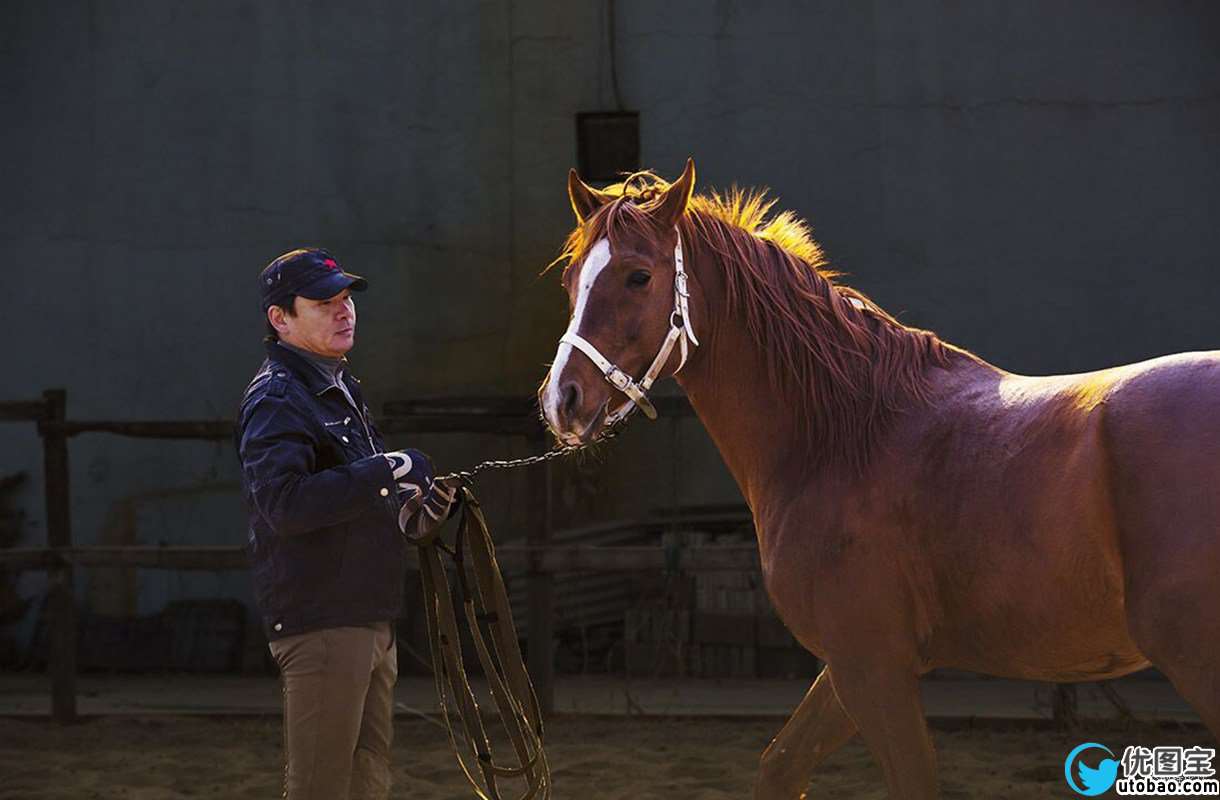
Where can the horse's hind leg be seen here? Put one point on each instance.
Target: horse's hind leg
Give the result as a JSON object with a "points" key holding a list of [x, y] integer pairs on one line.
{"points": [[1200, 687], [817, 728], [883, 700], [1161, 434], [1175, 624]]}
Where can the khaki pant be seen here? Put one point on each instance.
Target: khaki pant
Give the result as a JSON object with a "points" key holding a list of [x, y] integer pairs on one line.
{"points": [[338, 712]]}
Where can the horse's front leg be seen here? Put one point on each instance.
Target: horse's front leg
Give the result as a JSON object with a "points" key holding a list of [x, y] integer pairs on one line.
{"points": [[817, 728], [882, 697]]}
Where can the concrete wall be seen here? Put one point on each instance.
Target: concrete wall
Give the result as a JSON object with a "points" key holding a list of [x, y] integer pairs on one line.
{"points": [[1034, 180]]}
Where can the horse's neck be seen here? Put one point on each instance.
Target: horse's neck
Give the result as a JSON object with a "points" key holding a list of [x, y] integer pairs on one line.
{"points": [[761, 438], [735, 408], [728, 386]]}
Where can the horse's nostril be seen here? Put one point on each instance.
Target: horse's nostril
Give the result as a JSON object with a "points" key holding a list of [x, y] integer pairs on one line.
{"points": [[571, 397]]}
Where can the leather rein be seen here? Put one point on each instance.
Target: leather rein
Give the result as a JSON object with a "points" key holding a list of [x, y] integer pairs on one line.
{"points": [[485, 607]]}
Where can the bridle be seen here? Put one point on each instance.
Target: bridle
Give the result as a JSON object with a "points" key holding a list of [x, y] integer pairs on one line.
{"points": [[680, 333]]}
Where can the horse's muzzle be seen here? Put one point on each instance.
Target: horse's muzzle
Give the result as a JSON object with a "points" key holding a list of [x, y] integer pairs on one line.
{"points": [[566, 414]]}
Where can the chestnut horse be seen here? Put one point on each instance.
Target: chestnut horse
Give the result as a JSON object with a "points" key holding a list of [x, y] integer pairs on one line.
{"points": [[915, 506]]}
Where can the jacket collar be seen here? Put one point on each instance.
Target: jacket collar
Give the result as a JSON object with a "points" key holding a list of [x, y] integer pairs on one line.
{"points": [[305, 371]]}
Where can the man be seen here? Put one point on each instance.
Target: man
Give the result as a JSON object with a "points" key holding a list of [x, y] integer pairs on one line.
{"points": [[325, 538]]}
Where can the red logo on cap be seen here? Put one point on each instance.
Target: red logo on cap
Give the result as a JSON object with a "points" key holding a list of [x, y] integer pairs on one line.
{"points": [[330, 263]]}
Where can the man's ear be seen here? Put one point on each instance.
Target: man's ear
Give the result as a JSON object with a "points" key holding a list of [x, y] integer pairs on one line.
{"points": [[275, 316]]}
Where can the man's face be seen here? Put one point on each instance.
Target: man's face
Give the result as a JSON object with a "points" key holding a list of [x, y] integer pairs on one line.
{"points": [[326, 327]]}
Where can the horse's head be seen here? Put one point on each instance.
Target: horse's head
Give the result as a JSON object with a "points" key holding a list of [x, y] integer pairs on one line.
{"points": [[627, 300]]}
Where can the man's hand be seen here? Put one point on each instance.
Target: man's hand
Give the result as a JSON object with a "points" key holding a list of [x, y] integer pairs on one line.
{"points": [[412, 474], [440, 501], [419, 518]]}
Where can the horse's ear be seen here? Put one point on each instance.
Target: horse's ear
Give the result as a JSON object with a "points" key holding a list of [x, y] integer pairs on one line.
{"points": [[673, 203], [585, 199]]}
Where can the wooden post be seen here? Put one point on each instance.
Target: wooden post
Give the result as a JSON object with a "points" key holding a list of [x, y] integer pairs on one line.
{"points": [[62, 652], [541, 596], [1064, 707]]}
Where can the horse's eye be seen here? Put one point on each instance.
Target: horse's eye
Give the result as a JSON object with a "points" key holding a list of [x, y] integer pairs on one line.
{"points": [[640, 277]]}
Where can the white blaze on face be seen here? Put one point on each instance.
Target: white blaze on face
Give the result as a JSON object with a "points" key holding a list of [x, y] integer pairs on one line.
{"points": [[598, 258]]}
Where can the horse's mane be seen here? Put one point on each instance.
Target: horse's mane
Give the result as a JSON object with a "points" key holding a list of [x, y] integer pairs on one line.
{"points": [[833, 356]]}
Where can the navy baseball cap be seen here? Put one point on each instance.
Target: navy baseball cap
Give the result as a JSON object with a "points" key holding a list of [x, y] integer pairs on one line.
{"points": [[311, 273]]}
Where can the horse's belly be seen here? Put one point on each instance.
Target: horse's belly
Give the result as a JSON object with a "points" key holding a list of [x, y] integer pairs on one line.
{"points": [[1065, 629], [1052, 656], [1031, 579]]}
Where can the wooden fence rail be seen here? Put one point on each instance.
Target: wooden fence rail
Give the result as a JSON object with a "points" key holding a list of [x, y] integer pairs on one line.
{"points": [[506, 416], [497, 415], [545, 559]]}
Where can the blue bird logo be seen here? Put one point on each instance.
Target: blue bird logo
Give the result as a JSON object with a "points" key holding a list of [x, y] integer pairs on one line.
{"points": [[1095, 780]]}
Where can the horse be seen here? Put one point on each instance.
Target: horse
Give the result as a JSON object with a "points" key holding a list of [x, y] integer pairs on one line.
{"points": [[915, 506]]}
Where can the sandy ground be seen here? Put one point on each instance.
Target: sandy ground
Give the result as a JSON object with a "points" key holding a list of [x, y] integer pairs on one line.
{"points": [[147, 758]]}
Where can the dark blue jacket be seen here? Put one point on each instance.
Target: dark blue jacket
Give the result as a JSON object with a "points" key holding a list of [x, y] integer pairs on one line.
{"points": [[324, 542]]}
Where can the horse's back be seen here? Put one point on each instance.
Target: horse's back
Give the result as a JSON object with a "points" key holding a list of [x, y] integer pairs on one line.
{"points": [[1186, 385], [1162, 434]]}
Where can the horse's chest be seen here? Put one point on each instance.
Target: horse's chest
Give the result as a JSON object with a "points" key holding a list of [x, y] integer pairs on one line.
{"points": [[841, 586], [803, 580]]}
